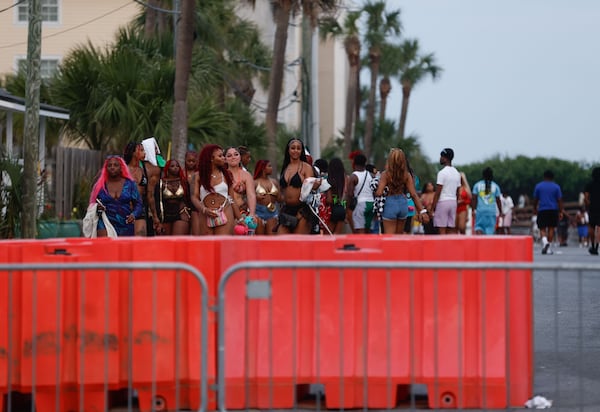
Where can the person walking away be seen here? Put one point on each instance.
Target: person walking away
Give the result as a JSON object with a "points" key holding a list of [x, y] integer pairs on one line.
{"points": [[548, 207], [337, 178], [507, 208], [445, 199], [464, 201], [592, 202], [397, 178], [583, 220], [360, 214], [486, 198]]}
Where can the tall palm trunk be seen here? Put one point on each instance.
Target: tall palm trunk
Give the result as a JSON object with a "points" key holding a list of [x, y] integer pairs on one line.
{"points": [[150, 19], [385, 86], [374, 57], [162, 18], [282, 16], [32, 120], [352, 45], [183, 67], [406, 89]]}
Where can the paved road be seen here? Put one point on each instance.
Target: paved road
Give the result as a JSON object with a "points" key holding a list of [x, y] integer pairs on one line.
{"points": [[567, 331]]}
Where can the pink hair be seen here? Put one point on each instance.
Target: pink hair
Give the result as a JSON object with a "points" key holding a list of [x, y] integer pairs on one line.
{"points": [[101, 182]]}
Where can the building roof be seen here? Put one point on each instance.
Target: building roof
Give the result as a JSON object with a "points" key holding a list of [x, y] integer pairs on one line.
{"points": [[9, 102]]}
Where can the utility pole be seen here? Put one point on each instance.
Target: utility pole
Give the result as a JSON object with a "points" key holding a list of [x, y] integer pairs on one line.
{"points": [[32, 121]]}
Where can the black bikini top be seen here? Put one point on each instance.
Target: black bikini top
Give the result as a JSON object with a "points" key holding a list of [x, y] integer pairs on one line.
{"points": [[295, 181], [144, 179]]}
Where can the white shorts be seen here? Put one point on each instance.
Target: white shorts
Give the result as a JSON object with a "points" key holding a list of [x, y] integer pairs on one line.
{"points": [[362, 215]]}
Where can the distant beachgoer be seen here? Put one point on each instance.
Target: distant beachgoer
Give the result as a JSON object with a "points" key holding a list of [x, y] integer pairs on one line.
{"points": [[592, 201], [486, 200], [445, 199], [548, 207]]}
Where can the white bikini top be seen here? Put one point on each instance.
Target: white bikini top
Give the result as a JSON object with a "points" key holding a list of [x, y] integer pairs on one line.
{"points": [[221, 189]]}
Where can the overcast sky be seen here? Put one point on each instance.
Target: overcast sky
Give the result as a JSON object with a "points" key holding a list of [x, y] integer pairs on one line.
{"points": [[520, 77]]}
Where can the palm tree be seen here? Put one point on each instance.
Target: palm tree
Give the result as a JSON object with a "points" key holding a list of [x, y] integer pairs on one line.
{"points": [[183, 68], [379, 26], [390, 65], [330, 27], [414, 68], [109, 99], [385, 87], [283, 10]]}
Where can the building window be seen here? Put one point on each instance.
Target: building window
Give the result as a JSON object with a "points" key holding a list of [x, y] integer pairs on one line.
{"points": [[49, 11], [47, 67]]}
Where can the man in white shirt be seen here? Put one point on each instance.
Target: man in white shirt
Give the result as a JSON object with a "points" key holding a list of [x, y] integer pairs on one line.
{"points": [[445, 199]]}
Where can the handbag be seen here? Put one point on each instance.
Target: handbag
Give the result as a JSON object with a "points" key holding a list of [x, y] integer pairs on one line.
{"points": [[354, 199], [288, 221], [219, 220]]}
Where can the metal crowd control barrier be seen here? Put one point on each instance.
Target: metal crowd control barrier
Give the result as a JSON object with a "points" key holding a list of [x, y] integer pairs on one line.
{"points": [[383, 334], [83, 336]]}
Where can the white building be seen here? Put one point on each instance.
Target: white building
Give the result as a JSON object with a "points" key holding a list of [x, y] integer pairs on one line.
{"points": [[329, 83]]}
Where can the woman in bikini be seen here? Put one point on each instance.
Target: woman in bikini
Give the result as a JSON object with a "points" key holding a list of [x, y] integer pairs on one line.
{"points": [[213, 193], [173, 201], [134, 155], [267, 198], [243, 183], [191, 173], [464, 201], [295, 216]]}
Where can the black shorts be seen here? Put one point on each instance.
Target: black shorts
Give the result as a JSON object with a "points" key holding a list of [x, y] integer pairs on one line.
{"points": [[594, 220], [547, 218]]}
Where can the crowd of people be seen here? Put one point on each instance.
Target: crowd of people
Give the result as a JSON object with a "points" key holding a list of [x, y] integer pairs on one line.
{"points": [[213, 192]]}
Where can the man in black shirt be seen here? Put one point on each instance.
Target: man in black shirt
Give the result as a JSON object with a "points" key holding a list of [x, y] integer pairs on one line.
{"points": [[592, 202]]}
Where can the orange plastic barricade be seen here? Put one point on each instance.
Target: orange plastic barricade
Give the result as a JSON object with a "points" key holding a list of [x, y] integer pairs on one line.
{"points": [[446, 329], [166, 323], [471, 331], [116, 328], [160, 313], [10, 286], [269, 343]]}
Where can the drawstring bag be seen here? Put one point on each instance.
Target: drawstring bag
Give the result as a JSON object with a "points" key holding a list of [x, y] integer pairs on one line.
{"points": [[219, 220]]}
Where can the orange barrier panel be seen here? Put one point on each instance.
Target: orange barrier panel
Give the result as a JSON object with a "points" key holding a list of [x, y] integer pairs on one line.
{"points": [[53, 333], [162, 312], [82, 323], [446, 329], [464, 347], [264, 374], [10, 301], [331, 353], [166, 323]]}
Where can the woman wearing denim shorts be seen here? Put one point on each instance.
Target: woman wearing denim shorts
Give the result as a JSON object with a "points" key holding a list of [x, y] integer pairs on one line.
{"points": [[399, 181]]}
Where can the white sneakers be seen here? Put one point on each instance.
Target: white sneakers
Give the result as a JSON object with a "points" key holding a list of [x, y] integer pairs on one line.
{"points": [[546, 250]]}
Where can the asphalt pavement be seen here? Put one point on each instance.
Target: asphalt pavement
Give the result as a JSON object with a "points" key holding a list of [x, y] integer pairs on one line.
{"points": [[567, 330]]}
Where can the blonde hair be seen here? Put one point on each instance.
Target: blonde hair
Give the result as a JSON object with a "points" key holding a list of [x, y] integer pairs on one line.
{"points": [[396, 168]]}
